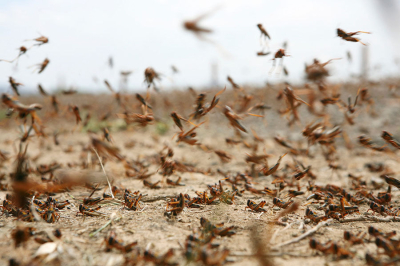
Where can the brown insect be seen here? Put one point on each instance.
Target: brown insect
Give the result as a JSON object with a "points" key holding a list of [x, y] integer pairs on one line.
{"points": [[54, 103], [132, 201], [263, 31], [263, 53], [256, 207], [234, 119], [150, 75], [142, 119], [278, 55], [177, 120], [223, 156], [317, 72], [293, 102], [252, 189], [354, 239], [348, 36], [143, 101], [41, 40], [300, 174], [152, 185], [104, 148], [256, 159], [313, 217], [21, 235], [42, 91], [274, 168], [178, 208], [111, 242], [199, 31], [388, 247], [368, 143], [23, 110], [294, 193], [50, 215], [216, 229], [86, 211], [351, 107], [331, 248], [46, 238], [281, 204], [43, 65], [92, 201], [392, 181], [234, 85], [376, 232], [70, 91], [209, 257], [389, 139], [375, 207], [189, 136], [22, 50], [116, 95], [163, 259], [14, 85], [175, 183], [75, 110], [202, 109]]}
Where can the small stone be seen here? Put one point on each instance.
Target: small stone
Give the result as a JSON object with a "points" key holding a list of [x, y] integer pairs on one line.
{"points": [[276, 208], [307, 221]]}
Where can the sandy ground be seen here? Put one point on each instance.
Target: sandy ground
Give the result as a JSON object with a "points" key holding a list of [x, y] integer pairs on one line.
{"points": [[155, 231]]}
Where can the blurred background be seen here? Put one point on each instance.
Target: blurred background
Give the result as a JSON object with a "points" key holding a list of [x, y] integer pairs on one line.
{"points": [[84, 35]]}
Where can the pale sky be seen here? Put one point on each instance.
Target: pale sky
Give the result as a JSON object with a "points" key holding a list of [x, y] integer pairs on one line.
{"points": [[139, 34]]}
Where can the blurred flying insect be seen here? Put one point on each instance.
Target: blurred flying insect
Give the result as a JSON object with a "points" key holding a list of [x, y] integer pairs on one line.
{"points": [[201, 32], [234, 85], [351, 107], [22, 109], [261, 53], [264, 32], [143, 101], [174, 69], [193, 26], [368, 143], [201, 108], [389, 139], [349, 57], [234, 119], [40, 40], [348, 36], [278, 55], [22, 50], [177, 120], [14, 85], [75, 111], [116, 95], [42, 66], [42, 91], [269, 171], [150, 75], [293, 102], [189, 136]]}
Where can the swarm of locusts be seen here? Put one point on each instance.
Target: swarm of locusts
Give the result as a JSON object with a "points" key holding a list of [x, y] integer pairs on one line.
{"points": [[257, 178]]}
